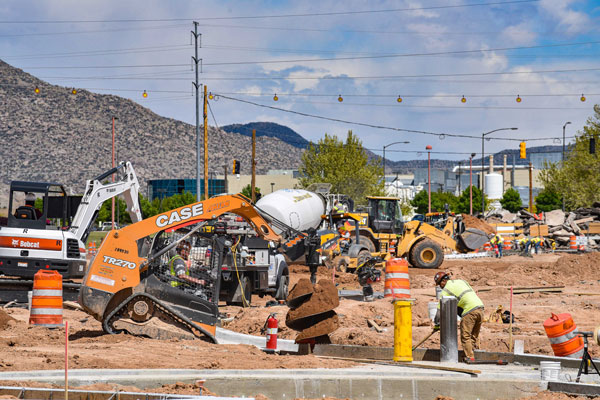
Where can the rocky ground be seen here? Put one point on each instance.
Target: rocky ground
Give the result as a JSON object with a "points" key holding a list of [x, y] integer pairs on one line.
{"points": [[25, 348]]}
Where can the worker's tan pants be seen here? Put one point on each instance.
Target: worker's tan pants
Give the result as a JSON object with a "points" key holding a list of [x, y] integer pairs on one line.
{"points": [[470, 325]]}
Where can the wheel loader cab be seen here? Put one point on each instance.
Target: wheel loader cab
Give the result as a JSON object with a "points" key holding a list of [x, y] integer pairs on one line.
{"points": [[385, 215]]}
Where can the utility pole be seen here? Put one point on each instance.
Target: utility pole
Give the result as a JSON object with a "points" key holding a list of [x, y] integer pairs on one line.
{"points": [[197, 86], [205, 145], [112, 212], [253, 183], [459, 165], [530, 187]]}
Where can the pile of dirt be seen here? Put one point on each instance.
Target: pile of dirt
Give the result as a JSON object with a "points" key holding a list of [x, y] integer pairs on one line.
{"points": [[476, 223], [5, 320], [576, 267]]}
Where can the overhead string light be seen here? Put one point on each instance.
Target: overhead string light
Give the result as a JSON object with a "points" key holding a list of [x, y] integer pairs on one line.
{"points": [[145, 94], [518, 99], [275, 98], [340, 98], [463, 100], [73, 91], [210, 95], [36, 90], [399, 99], [582, 98]]}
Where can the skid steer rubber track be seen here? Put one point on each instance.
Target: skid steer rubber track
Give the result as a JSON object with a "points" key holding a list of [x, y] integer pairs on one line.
{"points": [[312, 310], [155, 320]]}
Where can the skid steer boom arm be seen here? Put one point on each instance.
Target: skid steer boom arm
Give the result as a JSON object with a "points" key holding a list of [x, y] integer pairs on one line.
{"points": [[117, 266]]}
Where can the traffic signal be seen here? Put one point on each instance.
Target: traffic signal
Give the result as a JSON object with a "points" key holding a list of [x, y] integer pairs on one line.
{"points": [[522, 150], [592, 145], [236, 167]]}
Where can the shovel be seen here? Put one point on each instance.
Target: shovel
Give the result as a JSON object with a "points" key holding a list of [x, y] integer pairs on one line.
{"points": [[426, 337]]}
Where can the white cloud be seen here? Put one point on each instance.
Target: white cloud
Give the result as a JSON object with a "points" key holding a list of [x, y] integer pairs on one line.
{"points": [[573, 21]]}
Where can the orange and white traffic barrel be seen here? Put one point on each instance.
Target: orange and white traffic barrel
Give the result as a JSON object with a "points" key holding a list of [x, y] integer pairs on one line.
{"points": [[47, 299], [561, 332], [397, 282], [573, 242], [487, 246], [507, 244]]}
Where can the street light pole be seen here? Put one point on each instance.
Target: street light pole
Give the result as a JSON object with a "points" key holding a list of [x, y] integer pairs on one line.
{"points": [[483, 135], [471, 184], [385, 147], [428, 148], [562, 160]]}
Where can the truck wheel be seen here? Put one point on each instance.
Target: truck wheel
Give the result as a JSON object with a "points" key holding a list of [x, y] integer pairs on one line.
{"points": [[362, 257], [365, 241], [283, 288], [426, 254]]}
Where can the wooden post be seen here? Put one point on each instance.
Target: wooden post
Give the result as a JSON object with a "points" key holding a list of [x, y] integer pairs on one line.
{"points": [[253, 183], [530, 188], [205, 144]]}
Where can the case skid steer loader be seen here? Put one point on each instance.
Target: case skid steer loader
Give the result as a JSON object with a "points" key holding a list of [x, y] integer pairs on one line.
{"points": [[131, 287]]}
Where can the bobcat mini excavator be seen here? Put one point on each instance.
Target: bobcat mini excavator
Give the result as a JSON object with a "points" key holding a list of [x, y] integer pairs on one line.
{"points": [[129, 286]]}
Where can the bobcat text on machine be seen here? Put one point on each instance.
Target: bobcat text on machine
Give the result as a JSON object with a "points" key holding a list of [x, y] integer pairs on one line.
{"points": [[29, 243], [132, 284]]}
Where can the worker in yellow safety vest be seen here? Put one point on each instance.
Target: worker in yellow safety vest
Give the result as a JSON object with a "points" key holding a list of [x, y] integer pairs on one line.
{"points": [[497, 242], [178, 267], [537, 242], [524, 244], [470, 309]]}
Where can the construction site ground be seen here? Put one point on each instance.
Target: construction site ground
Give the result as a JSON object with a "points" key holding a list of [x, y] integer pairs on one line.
{"points": [[24, 348]]}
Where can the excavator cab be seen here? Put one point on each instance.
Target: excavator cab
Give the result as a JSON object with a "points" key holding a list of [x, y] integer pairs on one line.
{"points": [[385, 215]]}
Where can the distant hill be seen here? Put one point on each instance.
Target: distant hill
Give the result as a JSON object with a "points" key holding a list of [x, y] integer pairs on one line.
{"points": [[270, 129], [57, 136]]}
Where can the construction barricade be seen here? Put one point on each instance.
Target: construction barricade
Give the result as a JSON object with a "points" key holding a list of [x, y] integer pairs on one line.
{"points": [[561, 332], [397, 283], [487, 246], [507, 244], [47, 299]]}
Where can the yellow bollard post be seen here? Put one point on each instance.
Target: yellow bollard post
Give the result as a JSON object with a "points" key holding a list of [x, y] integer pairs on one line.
{"points": [[402, 330]]}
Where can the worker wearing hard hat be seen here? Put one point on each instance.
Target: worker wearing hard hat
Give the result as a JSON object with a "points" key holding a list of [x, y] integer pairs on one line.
{"points": [[470, 309], [497, 242], [537, 242]]}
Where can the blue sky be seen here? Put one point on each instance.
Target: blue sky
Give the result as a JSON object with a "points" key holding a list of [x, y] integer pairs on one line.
{"points": [[430, 53]]}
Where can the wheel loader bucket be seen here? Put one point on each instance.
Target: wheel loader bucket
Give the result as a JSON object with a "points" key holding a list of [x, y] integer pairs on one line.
{"points": [[472, 239]]}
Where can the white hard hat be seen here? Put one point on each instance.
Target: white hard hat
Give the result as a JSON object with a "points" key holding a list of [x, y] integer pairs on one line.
{"points": [[29, 197]]}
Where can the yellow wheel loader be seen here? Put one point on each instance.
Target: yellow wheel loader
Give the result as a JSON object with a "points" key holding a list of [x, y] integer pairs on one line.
{"points": [[381, 232]]}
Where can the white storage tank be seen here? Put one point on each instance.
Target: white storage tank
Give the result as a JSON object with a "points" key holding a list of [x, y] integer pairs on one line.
{"points": [[494, 187], [297, 208]]}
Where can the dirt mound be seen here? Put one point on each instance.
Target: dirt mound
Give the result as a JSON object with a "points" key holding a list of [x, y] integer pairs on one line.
{"points": [[476, 223], [5, 320], [577, 266]]}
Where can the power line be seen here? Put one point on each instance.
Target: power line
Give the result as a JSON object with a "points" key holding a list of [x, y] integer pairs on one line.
{"points": [[91, 31], [91, 53], [347, 77], [274, 15], [438, 134]]}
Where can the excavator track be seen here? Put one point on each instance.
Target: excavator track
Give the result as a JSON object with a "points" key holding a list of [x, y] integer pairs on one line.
{"points": [[312, 310], [123, 319]]}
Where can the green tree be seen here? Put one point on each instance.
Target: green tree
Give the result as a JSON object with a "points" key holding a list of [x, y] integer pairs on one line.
{"points": [[578, 179], [548, 200], [438, 202], [343, 164], [247, 191], [121, 214], [149, 209], [177, 200], [463, 201], [511, 200]]}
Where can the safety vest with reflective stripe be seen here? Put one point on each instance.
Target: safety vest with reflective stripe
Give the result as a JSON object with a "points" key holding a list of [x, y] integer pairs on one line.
{"points": [[173, 273], [497, 239], [467, 299]]}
